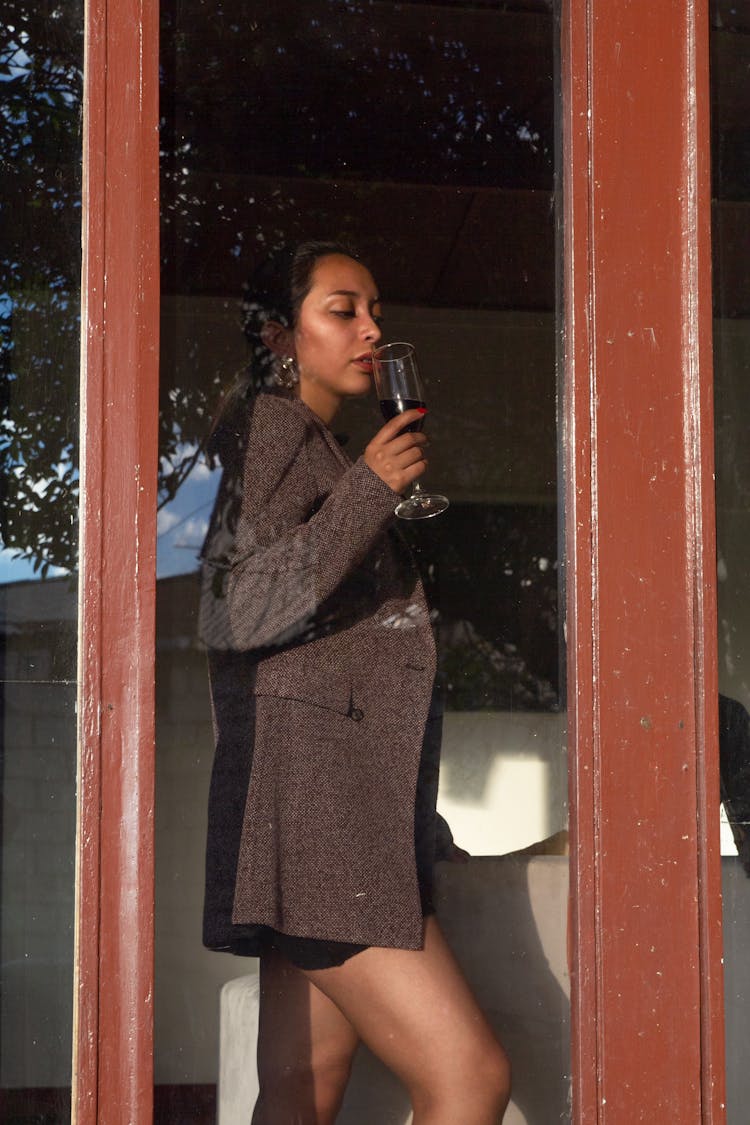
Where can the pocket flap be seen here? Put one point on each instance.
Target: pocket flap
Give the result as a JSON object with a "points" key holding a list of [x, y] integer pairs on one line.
{"points": [[328, 691]]}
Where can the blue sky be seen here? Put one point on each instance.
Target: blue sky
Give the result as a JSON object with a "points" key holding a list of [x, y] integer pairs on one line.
{"points": [[182, 524]]}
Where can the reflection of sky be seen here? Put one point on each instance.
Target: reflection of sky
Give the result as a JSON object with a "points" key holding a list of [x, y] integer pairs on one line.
{"points": [[20, 570], [182, 524], [181, 527]]}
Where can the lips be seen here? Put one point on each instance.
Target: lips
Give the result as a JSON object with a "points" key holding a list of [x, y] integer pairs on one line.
{"points": [[364, 361]]}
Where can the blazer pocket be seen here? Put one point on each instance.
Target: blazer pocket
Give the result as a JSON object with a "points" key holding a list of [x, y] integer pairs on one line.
{"points": [[326, 693]]}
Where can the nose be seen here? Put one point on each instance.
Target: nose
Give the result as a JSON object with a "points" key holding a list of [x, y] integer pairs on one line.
{"points": [[370, 331]]}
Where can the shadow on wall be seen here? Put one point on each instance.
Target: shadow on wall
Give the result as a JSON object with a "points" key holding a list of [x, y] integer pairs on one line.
{"points": [[505, 918]]}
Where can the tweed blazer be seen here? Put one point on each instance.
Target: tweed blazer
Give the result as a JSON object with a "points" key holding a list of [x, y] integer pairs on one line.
{"points": [[322, 805]]}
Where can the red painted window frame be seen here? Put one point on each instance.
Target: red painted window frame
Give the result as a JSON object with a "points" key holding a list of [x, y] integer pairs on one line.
{"points": [[638, 458], [638, 443], [113, 1021]]}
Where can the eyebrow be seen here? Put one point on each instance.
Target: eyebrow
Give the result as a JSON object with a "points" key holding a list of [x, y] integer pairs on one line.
{"points": [[352, 293]]}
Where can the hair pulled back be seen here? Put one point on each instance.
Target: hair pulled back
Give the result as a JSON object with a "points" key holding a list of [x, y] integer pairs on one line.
{"points": [[274, 292]]}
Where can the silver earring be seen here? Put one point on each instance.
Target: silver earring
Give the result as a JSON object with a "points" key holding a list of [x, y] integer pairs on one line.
{"points": [[285, 372]]}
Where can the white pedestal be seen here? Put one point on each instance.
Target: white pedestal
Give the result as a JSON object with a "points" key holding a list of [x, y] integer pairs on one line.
{"points": [[238, 1070]]}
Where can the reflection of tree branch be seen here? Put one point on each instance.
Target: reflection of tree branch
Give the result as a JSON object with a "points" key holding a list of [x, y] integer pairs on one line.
{"points": [[444, 96], [171, 484], [480, 675], [41, 68]]}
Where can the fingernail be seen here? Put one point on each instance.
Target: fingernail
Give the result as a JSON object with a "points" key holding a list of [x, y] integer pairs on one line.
{"points": [[422, 409]]}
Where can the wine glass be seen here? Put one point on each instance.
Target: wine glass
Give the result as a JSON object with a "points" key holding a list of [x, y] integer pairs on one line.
{"points": [[399, 388]]}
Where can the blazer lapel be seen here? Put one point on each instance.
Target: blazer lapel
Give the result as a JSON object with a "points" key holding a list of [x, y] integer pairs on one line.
{"points": [[341, 456]]}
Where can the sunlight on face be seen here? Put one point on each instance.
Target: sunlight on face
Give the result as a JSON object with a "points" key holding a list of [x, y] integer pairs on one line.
{"points": [[337, 328]]}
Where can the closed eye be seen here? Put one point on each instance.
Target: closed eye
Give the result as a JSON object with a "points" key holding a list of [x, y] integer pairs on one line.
{"points": [[350, 314]]}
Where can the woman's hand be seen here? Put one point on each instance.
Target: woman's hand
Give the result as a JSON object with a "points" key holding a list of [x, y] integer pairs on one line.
{"points": [[398, 457]]}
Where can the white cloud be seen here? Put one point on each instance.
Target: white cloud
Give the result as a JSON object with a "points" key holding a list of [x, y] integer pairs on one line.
{"points": [[194, 531], [166, 520], [202, 471]]}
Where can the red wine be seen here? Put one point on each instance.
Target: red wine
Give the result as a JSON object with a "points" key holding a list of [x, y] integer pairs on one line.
{"points": [[391, 407]]}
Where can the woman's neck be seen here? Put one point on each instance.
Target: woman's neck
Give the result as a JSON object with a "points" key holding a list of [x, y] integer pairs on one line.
{"points": [[320, 401]]}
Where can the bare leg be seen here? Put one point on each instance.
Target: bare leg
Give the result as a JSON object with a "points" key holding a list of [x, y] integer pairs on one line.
{"points": [[417, 1014], [305, 1049]]}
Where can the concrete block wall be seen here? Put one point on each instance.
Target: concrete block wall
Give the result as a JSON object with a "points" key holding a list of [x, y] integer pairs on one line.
{"points": [[38, 883]]}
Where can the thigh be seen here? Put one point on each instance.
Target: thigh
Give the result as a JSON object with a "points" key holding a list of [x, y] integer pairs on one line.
{"points": [[415, 1010], [301, 1031]]}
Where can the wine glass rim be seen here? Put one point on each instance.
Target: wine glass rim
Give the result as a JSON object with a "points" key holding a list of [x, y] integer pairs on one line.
{"points": [[391, 351]]}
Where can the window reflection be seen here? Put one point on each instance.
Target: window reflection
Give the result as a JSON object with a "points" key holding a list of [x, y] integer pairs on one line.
{"points": [[41, 54], [730, 102], [423, 134]]}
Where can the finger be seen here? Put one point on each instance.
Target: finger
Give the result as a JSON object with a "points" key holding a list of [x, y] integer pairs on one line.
{"points": [[402, 442], [411, 473], [396, 460], [400, 469], [410, 457], [403, 438], [395, 425], [409, 469], [392, 453]]}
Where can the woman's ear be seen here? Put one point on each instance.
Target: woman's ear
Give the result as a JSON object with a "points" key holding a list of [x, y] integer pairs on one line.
{"points": [[278, 338]]}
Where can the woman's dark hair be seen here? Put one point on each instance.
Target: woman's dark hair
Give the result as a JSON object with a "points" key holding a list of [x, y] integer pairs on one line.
{"points": [[279, 285], [275, 291]]}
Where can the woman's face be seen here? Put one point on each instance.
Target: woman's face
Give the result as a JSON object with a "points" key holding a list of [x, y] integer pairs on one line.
{"points": [[335, 332]]}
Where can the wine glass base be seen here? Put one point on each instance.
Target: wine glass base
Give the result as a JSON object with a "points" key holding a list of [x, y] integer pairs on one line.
{"points": [[422, 506]]}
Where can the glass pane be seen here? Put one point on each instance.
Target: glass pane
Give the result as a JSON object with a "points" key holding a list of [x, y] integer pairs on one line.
{"points": [[41, 58], [730, 97], [423, 135]]}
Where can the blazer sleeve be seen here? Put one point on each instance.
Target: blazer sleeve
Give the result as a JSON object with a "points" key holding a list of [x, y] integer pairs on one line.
{"points": [[293, 547]]}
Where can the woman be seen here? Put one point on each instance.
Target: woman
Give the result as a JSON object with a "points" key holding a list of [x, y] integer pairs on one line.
{"points": [[322, 807]]}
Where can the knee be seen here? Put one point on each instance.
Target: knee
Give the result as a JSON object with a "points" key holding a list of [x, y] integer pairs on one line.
{"points": [[489, 1077], [496, 1078], [475, 1088], [330, 1075]]}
